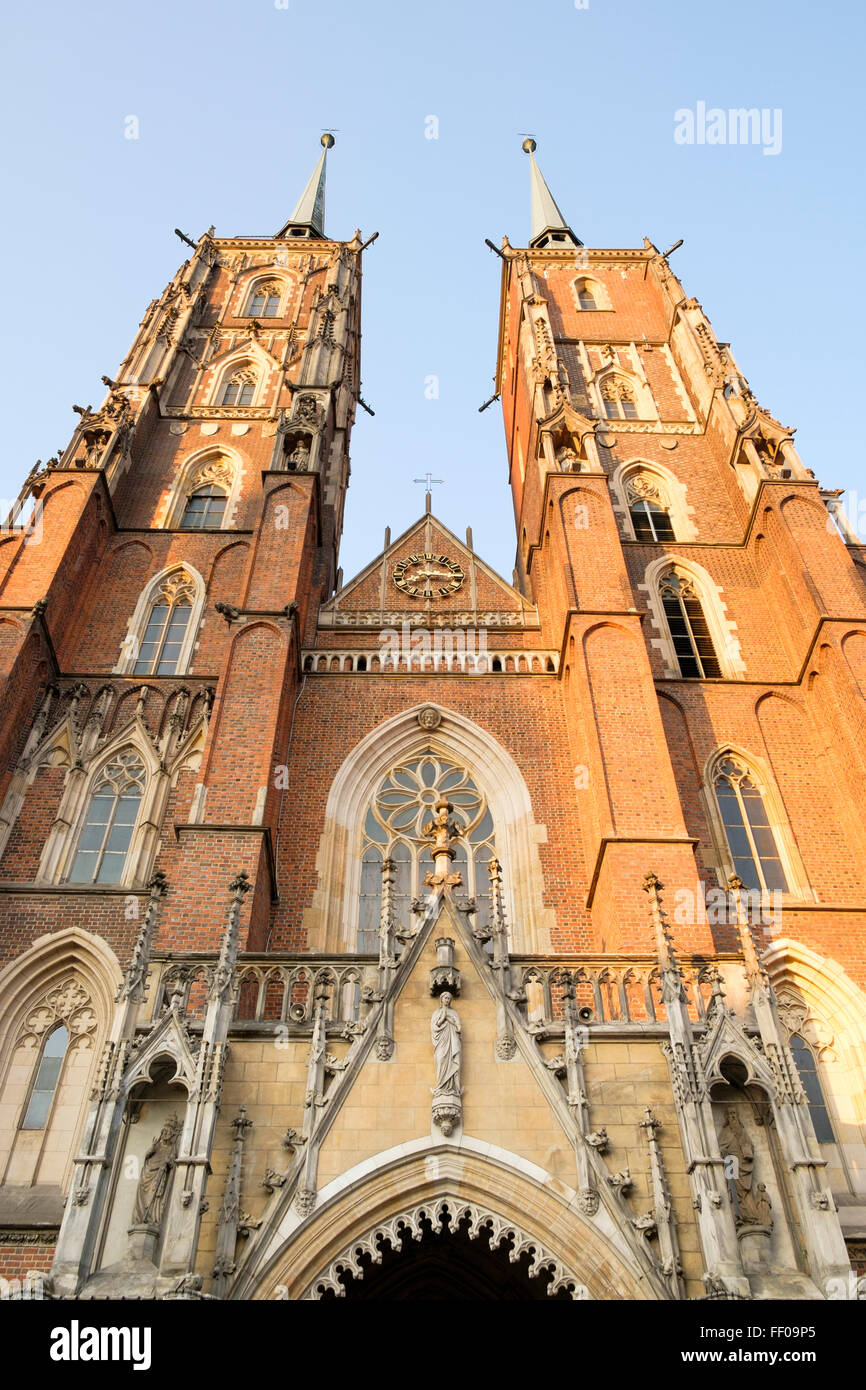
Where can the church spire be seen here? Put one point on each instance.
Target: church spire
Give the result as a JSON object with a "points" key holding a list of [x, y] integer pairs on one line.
{"points": [[308, 218], [549, 227]]}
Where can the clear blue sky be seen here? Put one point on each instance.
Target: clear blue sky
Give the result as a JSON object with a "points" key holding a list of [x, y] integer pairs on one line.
{"points": [[232, 96]]}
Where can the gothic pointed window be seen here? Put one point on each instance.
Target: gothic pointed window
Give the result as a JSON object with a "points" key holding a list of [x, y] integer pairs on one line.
{"points": [[47, 1077], [648, 509], [239, 389], [650, 521], [202, 493], [751, 839], [807, 1066], [590, 294], [693, 644], [205, 509], [106, 835], [164, 635], [393, 829], [618, 400], [265, 302]]}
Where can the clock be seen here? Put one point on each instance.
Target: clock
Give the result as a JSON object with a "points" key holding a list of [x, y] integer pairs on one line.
{"points": [[428, 576]]}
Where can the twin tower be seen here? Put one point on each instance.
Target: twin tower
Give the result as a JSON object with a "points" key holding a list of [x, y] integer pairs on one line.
{"points": [[430, 904]]}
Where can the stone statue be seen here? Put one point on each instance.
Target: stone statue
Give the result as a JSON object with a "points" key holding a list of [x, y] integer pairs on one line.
{"points": [[756, 1209], [568, 460], [447, 1057], [299, 457], [734, 1143], [157, 1166]]}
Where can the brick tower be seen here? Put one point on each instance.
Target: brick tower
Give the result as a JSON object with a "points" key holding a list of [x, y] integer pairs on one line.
{"points": [[431, 902]]}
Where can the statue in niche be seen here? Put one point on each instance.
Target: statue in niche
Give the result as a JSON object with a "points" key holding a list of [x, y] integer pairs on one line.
{"points": [[753, 1208], [155, 1173], [447, 1057], [299, 458], [567, 460], [756, 1209]]}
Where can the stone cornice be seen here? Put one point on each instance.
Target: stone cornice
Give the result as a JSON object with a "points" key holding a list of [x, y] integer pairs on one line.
{"points": [[307, 246]]}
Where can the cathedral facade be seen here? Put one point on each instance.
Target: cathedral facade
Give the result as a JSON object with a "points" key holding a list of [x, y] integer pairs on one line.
{"points": [[431, 933]]}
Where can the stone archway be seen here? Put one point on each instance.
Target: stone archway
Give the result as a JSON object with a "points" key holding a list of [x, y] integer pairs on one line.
{"points": [[446, 1250], [494, 1202]]}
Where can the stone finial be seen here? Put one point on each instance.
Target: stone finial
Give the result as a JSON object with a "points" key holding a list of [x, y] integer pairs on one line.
{"points": [[755, 972], [136, 972], [441, 830], [668, 963]]}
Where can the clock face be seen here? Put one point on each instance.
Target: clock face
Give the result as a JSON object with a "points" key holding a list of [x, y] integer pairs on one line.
{"points": [[428, 576]]}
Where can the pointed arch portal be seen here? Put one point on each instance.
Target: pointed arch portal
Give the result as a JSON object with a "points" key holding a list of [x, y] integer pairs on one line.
{"points": [[405, 1218], [447, 1251]]}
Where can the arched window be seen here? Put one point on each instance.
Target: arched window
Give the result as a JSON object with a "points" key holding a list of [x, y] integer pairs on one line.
{"points": [[204, 492], [618, 399], [159, 650], [111, 815], [750, 836], [589, 294], [239, 389], [648, 509], [393, 829], [47, 1077], [807, 1066], [690, 634], [265, 302], [205, 509], [650, 521]]}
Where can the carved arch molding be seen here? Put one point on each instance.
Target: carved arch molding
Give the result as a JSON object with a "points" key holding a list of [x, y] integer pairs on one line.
{"points": [[445, 1215]]}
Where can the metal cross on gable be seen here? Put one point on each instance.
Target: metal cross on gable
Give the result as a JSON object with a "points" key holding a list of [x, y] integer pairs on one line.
{"points": [[428, 480]]}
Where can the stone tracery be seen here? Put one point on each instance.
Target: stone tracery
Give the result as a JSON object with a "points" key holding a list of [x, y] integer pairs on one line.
{"points": [[444, 1215]]}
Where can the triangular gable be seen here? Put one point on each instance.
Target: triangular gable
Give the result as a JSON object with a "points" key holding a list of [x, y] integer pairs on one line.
{"points": [[245, 349], [376, 1104], [168, 1038], [726, 1038], [447, 578]]}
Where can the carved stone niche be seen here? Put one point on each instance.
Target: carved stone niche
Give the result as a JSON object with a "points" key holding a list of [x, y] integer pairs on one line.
{"points": [[567, 452], [561, 449], [297, 451], [144, 1169], [741, 1114]]}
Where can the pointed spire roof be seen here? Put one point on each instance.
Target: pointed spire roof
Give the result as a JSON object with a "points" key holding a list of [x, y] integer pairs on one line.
{"points": [[308, 218], [549, 227]]}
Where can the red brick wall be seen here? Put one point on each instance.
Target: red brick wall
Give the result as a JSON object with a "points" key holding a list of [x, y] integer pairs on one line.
{"points": [[779, 569]]}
